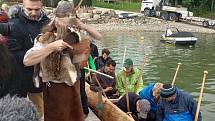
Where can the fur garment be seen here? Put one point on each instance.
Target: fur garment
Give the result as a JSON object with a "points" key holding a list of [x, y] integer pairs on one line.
{"points": [[62, 66]]}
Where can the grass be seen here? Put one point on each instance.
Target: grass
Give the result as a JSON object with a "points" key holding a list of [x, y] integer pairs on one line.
{"points": [[119, 5], [210, 15]]}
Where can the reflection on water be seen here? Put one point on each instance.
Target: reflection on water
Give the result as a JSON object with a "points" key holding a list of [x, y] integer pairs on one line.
{"points": [[163, 59]]}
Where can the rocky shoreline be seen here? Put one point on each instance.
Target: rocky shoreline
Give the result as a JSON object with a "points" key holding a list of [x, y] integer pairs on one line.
{"points": [[108, 20], [151, 27]]}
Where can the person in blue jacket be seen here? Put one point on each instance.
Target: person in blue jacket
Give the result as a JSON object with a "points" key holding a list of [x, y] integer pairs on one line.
{"points": [[152, 94], [175, 105]]}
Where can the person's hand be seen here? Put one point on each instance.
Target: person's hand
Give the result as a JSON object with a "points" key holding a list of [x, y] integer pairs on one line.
{"points": [[116, 94], [108, 89], [59, 45], [79, 24], [87, 75]]}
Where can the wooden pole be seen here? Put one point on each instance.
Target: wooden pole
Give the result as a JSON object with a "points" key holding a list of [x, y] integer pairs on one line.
{"points": [[127, 98], [176, 72], [100, 86], [123, 60], [200, 96], [99, 72], [126, 85]]}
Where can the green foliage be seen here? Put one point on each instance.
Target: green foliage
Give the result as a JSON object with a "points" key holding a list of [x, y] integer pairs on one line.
{"points": [[119, 5], [86, 3]]}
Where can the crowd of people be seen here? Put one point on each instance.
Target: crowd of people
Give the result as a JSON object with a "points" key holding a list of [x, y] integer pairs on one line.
{"points": [[45, 64]]}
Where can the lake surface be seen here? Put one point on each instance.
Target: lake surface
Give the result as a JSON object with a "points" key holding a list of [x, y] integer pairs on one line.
{"points": [[162, 62]]}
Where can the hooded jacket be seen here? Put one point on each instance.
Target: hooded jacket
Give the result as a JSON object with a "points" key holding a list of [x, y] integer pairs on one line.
{"points": [[146, 93]]}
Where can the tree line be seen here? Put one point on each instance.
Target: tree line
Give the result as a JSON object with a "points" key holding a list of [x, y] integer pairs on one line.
{"points": [[198, 7]]}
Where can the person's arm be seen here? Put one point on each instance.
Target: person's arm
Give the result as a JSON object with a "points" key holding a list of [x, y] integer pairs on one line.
{"points": [[159, 113], [93, 85], [94, 33], [120, 84], [16, 46], [33, 57], [139, 82], [4, 28]]}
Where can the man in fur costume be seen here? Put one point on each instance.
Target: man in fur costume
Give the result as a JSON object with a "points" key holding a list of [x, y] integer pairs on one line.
{"points": [[60, 50]]}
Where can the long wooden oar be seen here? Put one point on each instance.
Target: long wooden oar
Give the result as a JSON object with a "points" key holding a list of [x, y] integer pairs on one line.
{"points": [[99, 72], [176, 72], [100, 86], [200, 96], [123, 60], [126, 85]]}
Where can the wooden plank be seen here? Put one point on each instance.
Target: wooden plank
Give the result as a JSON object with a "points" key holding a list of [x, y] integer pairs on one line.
{"points": [[109, 112]]}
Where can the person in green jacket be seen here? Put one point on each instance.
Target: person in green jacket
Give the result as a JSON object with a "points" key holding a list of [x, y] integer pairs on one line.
{"points": [[133, 77], [90, 64]]}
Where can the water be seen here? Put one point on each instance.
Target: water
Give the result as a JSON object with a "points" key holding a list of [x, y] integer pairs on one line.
{"points": [[162, 62]]}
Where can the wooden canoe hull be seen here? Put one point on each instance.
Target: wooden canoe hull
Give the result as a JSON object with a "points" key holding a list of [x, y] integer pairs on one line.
{"points": [[109, 111]]}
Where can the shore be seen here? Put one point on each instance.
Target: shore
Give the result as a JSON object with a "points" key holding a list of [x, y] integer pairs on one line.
{"points": [[153, 25], [107, 20]]}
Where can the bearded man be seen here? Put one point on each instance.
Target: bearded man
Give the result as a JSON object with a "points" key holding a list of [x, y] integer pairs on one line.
{"points": [[21, 31]]}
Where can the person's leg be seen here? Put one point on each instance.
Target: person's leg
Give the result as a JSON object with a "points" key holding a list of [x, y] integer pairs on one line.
{"points": [[37, 99], [84, 101]]}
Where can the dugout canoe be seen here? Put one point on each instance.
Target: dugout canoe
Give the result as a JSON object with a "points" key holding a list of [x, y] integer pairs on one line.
{"points": [[109, 111]]}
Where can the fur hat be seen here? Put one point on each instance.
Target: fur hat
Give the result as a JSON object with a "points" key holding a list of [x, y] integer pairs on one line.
{"points": [[145, 108], [64, 9], [17, 109]]}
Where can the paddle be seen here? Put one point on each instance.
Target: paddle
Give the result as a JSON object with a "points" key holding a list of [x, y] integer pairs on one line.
{"points": [[123, 60], [126, 85], [99, 72], [200, 96], [176, 72], [100, 86]]}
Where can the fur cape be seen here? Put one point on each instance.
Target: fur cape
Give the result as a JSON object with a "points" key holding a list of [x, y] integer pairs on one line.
{"points": [[62, 66]]}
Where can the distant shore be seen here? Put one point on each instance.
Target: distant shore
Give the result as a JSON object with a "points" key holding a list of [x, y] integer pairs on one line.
{"points": [[152, 27]]}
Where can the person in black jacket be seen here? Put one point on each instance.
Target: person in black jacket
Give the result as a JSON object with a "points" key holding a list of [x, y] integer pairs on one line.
{"points": [[101, 60], [139, 108], [94, 51], [21, 31]]}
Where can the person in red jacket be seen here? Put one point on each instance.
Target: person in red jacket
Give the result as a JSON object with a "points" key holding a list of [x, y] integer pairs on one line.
{"points": [[3, 19]]}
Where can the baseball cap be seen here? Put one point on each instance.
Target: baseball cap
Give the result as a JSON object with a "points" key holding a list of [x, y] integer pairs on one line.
{"points": [[128, 62], [144, 108]]}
